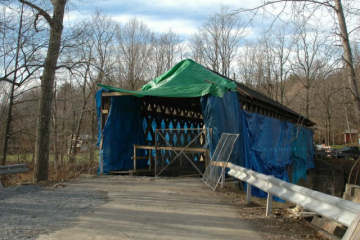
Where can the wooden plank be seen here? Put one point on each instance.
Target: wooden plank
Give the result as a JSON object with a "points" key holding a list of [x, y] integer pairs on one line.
{"points": [[218, 164], [120, 172], [185, 149], [144, 170], [131, 172], [146, 147], [135, 157], [170, 148]]}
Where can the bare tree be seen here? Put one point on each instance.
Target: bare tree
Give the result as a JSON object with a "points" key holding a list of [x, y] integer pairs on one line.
{"points": [[312, 57], [248, 65], [135, 43], [282, 48], [19, 62], [219, 39], [257, 67], [332, 98], [102, 65], [12, 90], [166, 48], [197, 49], [47, 84], [83, 80], [336, 7], [96, 52]]}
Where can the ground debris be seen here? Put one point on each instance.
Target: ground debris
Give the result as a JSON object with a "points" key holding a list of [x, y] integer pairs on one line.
{"points": [[286, 223]]}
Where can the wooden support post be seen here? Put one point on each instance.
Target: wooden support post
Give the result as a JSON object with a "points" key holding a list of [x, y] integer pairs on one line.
{"points": [[248, 193], [155, 167], [268, 204], [148, 158], [205, 155], [156, 145], [134, 172], [101, 155]]}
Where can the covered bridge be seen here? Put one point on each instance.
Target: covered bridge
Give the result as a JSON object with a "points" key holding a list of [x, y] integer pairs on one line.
{"points": [[174, 109]]}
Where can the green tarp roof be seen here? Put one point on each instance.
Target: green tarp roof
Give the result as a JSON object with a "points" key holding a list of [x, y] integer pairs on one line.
{"points": [[185, 79]]}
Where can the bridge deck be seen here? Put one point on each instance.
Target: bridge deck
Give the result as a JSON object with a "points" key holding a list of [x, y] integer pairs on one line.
{"points": [[163, 208]]}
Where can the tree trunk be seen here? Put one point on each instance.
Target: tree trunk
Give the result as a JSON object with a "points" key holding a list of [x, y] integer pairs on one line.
{"points": [[55, 141], [63, 139], [12, 90], [73, 148], [348, 58], [56, 147], [307, 103], [93, 136], [8, 124], [47, 84]]}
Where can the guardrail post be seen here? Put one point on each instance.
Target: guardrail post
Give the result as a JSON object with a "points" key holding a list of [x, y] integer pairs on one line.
{"points": [[353, 232], [342, 211], [248, 193], [268, 204], [223, 177], [134, 170]]}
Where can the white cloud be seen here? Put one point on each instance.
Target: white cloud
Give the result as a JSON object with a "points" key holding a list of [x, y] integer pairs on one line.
{"points": [[179, 26], [184, 17], [73, 16], [206, 4], [181, 16]]}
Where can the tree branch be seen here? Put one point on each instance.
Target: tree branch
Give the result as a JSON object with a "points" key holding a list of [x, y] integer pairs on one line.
{"points": [[4, 79], [353, 30], [267, 3], [41, 11]]}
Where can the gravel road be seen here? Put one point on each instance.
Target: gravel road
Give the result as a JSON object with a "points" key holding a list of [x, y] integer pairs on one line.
{"points": [[29, 210], [125, 207]]}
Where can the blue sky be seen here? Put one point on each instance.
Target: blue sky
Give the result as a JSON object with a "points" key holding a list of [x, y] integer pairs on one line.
{"points": [[181, 16], [184, 17]]}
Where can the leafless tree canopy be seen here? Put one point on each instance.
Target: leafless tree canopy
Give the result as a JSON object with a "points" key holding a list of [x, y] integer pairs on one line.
{"points": [[49, 73]]}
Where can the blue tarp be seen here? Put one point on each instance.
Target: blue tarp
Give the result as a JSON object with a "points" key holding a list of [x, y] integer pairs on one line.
{"points": [[222, 116], [123, 129], [302, 154], [275, 145], [266, 145], [98, 112]]}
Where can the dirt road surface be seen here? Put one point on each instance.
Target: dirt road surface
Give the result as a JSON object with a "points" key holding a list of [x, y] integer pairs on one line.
{"points": [[124, 207]]}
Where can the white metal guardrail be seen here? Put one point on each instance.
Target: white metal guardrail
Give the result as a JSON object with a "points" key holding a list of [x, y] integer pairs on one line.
{"points": [[337, 209], [11, 169]]}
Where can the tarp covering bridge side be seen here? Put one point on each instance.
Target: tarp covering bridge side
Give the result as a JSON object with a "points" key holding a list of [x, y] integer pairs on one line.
{"points": [[266, 145]]}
